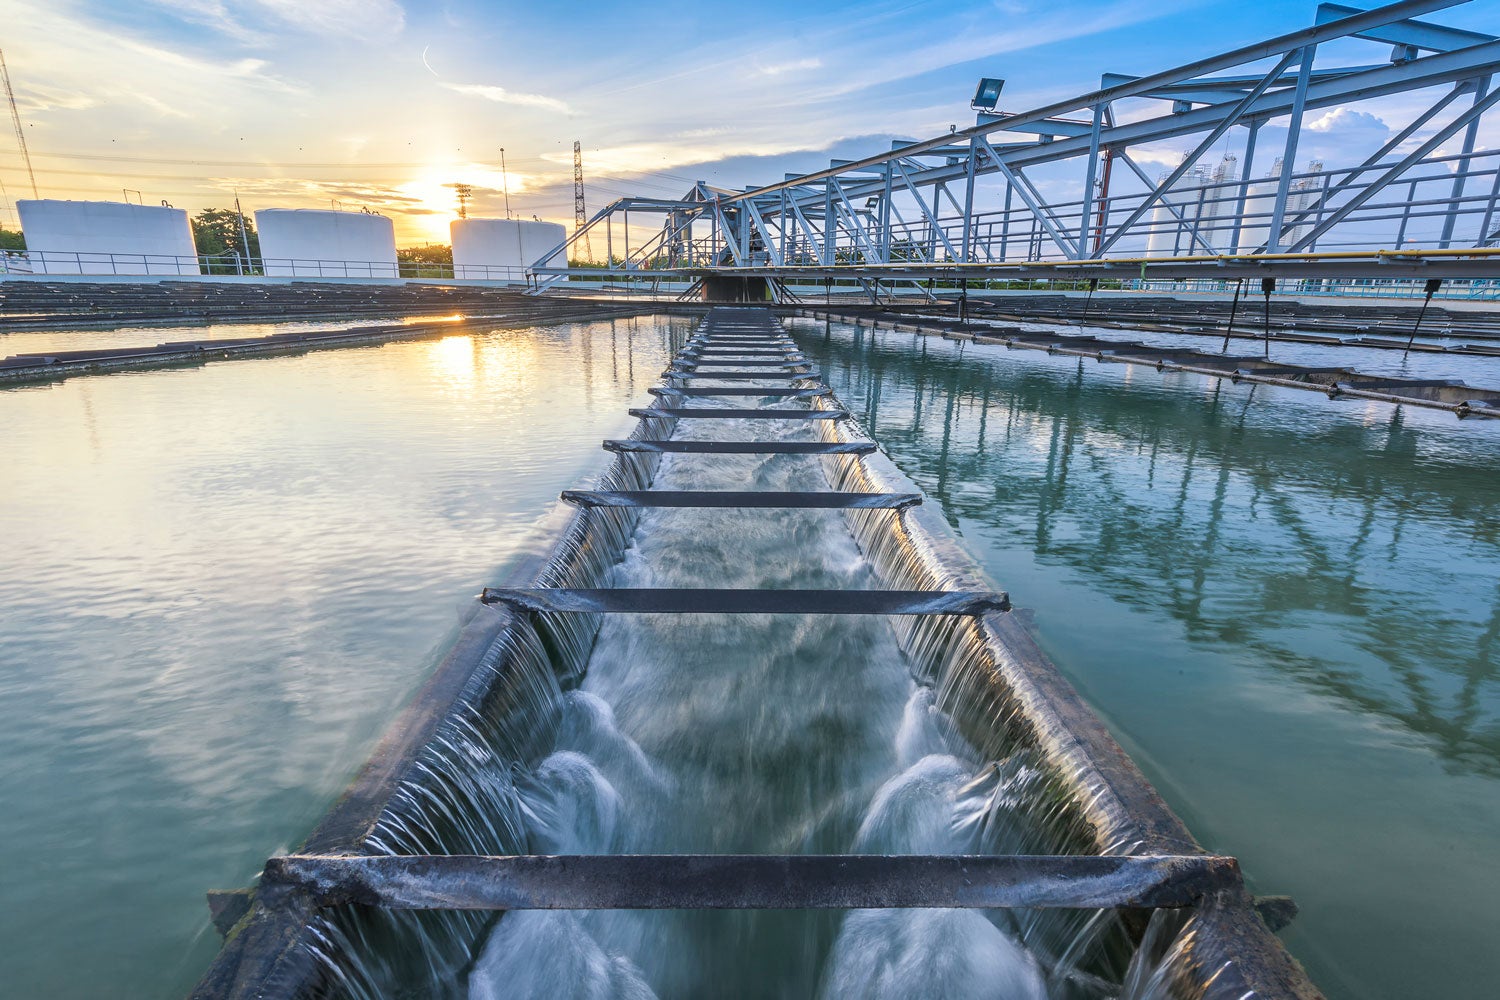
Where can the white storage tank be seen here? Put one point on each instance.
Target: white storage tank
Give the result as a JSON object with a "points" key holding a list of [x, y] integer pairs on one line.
{"points": [[106, 237], [503, 248], [318, 243], [1171, 232]]}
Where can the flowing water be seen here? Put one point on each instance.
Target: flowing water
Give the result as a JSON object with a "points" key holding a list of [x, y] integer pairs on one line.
{"points": [[726, 734], [1285, 608]]}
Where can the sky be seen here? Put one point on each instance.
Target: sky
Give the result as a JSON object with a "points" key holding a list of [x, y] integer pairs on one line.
{"points": [[386, 105]]}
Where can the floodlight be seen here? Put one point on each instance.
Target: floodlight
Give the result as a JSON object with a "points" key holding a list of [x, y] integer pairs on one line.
{"points": [[988, 94]]}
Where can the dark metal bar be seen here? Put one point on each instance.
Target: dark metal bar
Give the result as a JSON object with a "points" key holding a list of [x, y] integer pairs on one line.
{"points": [[798, 373], [741, 391], [754, 352], [740, 413], [1401, 383], [1289, 370], [737, 343], [752, 882], [744, 363], [654, 601], [753, 359], [726, 498], [713, 348], [743, 447]]}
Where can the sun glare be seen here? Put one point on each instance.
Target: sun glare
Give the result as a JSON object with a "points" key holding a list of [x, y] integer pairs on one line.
{"points": [[434, 197]]}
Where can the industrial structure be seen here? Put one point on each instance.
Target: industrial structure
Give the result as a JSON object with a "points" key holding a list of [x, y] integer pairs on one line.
{"points": [[106, 237], [1063, 191], [498, 248], [580, 208], [379, 850], [971, 204], [314, 243]]}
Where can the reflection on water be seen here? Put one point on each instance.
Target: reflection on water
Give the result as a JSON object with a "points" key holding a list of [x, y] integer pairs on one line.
{"points": [[1244, 524], [1288, 608], [219, 583], [34, 341]]}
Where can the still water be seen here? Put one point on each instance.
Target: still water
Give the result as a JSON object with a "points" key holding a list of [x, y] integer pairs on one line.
{"points": [[1287, 609], [218, 586], [220, 582], [39, 341]]}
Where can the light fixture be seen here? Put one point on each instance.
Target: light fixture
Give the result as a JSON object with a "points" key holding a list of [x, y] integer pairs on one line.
{"points": [[988, 94]]}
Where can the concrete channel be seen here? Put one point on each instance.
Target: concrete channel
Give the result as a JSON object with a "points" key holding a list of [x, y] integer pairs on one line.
{"points": [[1132, 851]]}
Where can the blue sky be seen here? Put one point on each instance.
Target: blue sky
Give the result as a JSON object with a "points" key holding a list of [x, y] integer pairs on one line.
{"points": [[381, 103]]}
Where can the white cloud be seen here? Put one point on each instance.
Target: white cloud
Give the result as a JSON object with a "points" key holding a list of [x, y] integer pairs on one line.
{"points": [[795, 66], [108, 72], [1343, 119], [359, 20], [502, 96], [212, 14], [37, 97]]}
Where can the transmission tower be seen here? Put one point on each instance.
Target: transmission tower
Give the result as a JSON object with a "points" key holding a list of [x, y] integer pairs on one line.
{"points": [[580, 213], [15, 117]]}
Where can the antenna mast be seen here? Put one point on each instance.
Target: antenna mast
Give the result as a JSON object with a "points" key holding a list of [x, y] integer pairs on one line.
{"points": [[15, 117], [505, 181], [580, 213]]}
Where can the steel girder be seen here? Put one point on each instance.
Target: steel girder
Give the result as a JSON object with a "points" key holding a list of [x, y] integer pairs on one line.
{"points": [[850, 215]]}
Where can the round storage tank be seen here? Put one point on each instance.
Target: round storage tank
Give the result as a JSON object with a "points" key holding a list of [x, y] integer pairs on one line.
{"points": [[502, 249], [317, 243], [106, 237]]}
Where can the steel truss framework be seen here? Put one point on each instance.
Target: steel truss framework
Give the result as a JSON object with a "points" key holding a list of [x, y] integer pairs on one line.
{"points": [[921, 209]]}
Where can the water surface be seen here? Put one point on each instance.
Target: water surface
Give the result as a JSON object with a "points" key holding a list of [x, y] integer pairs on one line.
{"points": [[220, 584], [1286, 608]]}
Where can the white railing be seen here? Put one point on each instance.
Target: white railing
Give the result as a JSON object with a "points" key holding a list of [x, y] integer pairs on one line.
{"points": [[32, 262]]}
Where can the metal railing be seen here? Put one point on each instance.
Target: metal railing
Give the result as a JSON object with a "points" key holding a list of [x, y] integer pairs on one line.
{"points": [[61, 262]]}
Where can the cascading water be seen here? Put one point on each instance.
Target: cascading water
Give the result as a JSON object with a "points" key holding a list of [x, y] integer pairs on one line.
{"points": [[737, 734]]}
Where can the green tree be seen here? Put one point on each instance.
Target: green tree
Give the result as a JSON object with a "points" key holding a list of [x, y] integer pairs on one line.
{"points": [[11, 239], [429, 253], [431, 260], [216, 233]]}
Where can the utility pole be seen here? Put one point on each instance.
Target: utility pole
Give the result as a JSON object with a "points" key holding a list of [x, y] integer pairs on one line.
{"points": [[505, 181], [15, 117], [580, 213], [244, 236]]}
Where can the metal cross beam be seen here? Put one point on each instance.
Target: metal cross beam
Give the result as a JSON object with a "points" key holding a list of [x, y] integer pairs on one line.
{"points": [[653, 601], [752, 882], [895, 208]]}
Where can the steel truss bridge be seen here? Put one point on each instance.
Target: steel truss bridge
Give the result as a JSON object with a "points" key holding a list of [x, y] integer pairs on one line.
{"points": [[973, 204]]}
